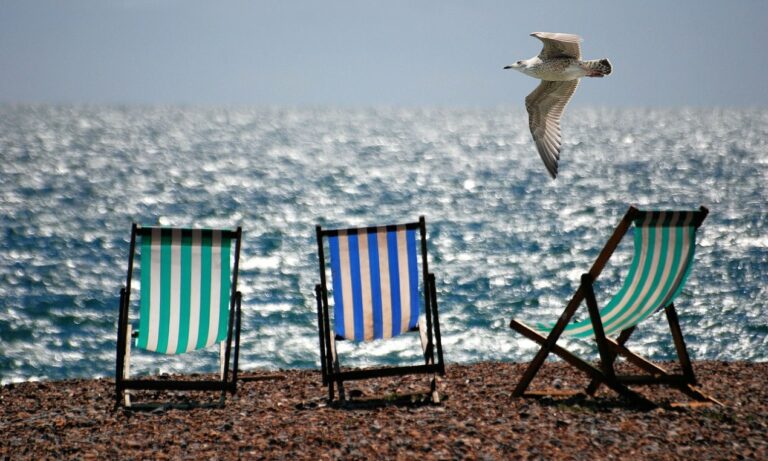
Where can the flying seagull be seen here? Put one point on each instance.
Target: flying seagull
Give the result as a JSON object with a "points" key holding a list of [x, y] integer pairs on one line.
{"points": [[559, 67]]}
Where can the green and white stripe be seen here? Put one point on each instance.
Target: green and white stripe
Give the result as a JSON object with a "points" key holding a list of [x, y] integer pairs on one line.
{"points": [[664, 247], [185, 289]]}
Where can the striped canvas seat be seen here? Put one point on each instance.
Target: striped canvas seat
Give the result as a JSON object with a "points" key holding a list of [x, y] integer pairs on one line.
{"points": [[188, 301], [185, 289], [664, 244], [375, 282], [380, 281]]}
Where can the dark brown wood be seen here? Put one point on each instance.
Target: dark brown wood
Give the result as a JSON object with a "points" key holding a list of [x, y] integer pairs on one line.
{"points": [[131, 255], [656, 374], [122, 322], [438, 340], [179, 385], [674, 380], [636, 359], [425, 281], [321, 334], [623, 338], [576, 362], [369, 229], [549, 343], [610, 349], [120, 363], [234, 314], [238, 238], [677, 337], [238, 325], [227, 233], [606, 362], [336, 367], [613, 242], [701, 216], [324, 327], [385, 372], [572, 359]]}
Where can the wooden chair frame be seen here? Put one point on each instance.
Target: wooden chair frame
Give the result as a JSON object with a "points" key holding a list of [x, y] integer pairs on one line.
{"points": [[332, 373], [228, 381], [609, 349]]}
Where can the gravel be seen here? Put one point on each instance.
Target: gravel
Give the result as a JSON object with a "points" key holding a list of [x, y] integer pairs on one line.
{"points": [[285, 415]]}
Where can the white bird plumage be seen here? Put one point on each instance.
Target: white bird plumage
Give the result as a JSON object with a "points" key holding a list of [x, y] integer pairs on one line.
{"points": [[559, 67]]}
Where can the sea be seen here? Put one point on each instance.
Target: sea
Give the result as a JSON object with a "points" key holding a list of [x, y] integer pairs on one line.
{"points": [[505, 241]]}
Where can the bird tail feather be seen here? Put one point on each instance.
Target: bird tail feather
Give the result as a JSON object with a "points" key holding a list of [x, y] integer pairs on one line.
{"points": [[598, 67]]}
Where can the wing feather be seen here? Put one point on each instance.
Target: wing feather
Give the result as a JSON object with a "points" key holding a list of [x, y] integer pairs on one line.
{"points": [[557, 45], [545, 107]]}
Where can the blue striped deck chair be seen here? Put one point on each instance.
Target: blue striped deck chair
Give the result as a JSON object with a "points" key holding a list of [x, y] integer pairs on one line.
{"points": [[664, 243], [188, 302], [376, 295]]}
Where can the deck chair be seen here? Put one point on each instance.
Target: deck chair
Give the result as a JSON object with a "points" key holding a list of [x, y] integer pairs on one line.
{"points": [[188, 302], [375, 280], [664, 244]]}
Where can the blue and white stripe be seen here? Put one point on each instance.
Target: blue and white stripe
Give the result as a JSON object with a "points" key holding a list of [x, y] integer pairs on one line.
{"points": [[375, 282]]}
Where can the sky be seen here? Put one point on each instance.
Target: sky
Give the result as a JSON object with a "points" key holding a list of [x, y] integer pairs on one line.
{"points": [[364, 53]]}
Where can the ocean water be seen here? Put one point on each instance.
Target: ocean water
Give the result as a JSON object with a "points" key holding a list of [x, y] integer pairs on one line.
{"points": [[504, 240]]}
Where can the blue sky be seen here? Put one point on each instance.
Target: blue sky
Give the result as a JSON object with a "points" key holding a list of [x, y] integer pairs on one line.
{"points": [[374, 53]]}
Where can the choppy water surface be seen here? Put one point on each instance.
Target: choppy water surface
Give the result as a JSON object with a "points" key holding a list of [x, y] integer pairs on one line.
{"points": [[504, 240]]}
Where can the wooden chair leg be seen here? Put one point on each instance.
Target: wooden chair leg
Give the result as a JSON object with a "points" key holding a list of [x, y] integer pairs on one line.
{"points": [[606, 359], [685, 360], [579, 363], [438, 344], [428, 351], [337, 373], [238, 326], [433, 390], [547, 345], [637, 360], [127, 364], [677, 336], [536, 363], [572, 359], [621, 340], [120, 359], [321, 334], [606, 356]]}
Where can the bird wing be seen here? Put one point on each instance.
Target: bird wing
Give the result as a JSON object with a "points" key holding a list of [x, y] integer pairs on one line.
{"points": [[545, 106], [559, 45]]}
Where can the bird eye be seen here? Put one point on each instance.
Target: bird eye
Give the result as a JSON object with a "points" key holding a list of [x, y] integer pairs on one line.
{"points": [[519, 62]]}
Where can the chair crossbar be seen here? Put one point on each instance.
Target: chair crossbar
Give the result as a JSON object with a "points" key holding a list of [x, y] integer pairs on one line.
{"points": [[352, 375], [664, 248], [179, 385]]}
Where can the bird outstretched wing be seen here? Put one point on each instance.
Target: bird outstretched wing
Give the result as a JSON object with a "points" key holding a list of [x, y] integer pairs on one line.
{"points": [[558, 45], [545, 106]]}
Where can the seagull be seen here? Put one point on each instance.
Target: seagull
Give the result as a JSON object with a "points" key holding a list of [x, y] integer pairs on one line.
{"points": [[559, 67]]}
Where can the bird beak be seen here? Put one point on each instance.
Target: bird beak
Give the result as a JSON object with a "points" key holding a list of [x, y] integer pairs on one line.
{"points": [[508, 67]]}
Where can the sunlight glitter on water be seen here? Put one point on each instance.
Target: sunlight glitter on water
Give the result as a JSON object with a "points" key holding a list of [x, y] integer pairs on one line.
{"points": [[504, 240]]}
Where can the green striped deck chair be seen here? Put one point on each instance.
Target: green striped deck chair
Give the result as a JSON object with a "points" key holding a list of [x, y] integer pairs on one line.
{"points": [[375, 273], [188, 302], [664, 243]]}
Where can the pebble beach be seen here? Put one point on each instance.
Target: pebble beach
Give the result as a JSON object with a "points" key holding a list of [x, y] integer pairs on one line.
{"points": [[286, 415]]}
